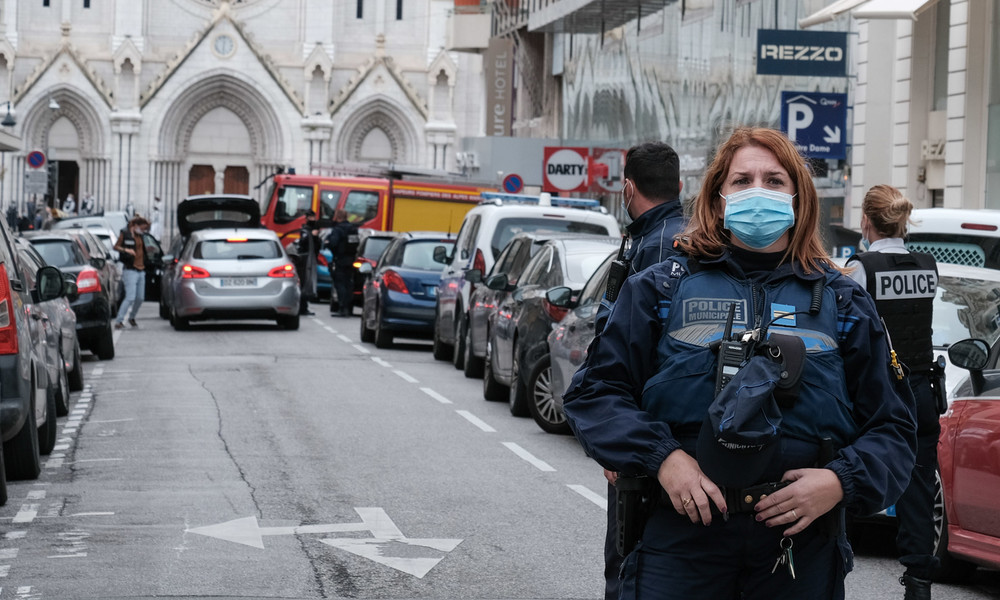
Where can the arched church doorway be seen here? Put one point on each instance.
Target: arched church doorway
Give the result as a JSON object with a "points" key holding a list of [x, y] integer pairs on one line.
{"points": [[66, 181]]}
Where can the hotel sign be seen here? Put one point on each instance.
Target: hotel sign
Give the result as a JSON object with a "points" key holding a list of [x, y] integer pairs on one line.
{"points": [[499, 66]]}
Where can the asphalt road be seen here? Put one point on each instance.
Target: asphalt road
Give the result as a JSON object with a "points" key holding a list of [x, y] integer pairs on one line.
{"points": [[245, 461]]}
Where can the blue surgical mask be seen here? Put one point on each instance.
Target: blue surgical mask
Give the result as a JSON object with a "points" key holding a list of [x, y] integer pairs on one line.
{"points": [[757, 216]]}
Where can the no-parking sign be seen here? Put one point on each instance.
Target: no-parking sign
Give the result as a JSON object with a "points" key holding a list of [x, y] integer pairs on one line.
{"points": [[36, 159], [565, 169]]}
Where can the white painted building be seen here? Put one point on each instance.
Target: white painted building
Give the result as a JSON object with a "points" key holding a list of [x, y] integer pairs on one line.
{"points": [[140, 98]]}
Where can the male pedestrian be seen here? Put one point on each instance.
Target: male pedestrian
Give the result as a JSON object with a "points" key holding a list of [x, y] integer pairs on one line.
{"points": [[343, 244], [87, 204], [133, 256], [156, 221], [651, 198]]}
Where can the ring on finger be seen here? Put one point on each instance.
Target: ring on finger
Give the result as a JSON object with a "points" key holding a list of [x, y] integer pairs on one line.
{"points": [[794, 516], [685, 502]]}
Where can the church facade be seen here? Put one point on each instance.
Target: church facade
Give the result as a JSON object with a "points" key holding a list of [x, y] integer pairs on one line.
{"points": [[129, 100]]}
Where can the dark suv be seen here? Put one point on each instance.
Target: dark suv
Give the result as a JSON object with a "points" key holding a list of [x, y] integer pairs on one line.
{"points": [[23, 376]]}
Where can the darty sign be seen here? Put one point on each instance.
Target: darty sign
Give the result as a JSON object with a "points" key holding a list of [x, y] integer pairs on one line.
{"points": [[792, 52], [565, 169]]}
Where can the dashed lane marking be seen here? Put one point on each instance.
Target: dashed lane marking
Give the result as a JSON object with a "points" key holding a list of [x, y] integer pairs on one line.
{"points": [[471, 418], [435, 395], [589, 494], [538, 463], [361, 349], [380, 362], [344, 338], [26, 514], [405, 376]]}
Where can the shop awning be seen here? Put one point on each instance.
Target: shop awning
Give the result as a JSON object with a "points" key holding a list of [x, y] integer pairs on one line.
{"points": [[868, 9]]}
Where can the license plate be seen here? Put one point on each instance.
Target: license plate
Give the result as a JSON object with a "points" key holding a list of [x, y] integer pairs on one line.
{"points": [[431, 290], [238, 282]]}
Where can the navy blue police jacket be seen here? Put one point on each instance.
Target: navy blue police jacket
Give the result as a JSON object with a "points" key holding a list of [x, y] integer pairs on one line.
{"points": [[649, 376], [653, 234]]}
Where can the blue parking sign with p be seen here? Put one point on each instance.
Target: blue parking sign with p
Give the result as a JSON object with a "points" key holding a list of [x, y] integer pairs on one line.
{"points": [[816, 123]]}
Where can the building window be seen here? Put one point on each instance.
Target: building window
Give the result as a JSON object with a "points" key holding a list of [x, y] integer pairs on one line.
{"points": [[86, 3], [45, 2], [399, 10], [942, 26], [361, 9]]}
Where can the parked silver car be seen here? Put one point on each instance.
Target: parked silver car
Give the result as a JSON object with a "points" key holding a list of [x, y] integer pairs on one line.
{"points": [[234, 274]]}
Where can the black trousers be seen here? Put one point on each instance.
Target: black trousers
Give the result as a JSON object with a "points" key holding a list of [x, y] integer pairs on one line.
{"points": [[915, 508]]}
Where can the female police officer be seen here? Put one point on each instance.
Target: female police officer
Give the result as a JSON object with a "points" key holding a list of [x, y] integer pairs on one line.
{"points": [[645, 402], [903, 285]]}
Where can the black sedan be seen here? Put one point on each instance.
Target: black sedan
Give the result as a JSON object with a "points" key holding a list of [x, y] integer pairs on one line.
{"points": [[519, 327], [94, 304]]}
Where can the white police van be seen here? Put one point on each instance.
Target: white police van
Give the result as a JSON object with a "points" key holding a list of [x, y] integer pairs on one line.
{"points": [[957, 236]]}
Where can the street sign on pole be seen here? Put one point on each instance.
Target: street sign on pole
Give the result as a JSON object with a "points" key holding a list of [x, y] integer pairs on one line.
{"points": [[816, 123], [36, 159], [36, 182]]}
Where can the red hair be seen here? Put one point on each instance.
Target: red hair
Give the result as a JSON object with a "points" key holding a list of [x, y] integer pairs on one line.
{"points": [[705, 235]]}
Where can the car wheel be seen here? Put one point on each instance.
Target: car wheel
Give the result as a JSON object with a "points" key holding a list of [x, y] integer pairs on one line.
{"points": [[179, 323], [76, 375], [289, 322], [493, 390], [367, 335], [383, 338], [950, 569], [105, 349], [458, 352], [21, 452], [541, 403], [473, 366], [442, 351], [47, 432], [518, 395], [62, 392]]}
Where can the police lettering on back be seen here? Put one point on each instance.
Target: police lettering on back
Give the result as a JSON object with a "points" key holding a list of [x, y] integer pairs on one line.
{"points": [[894, 285]]}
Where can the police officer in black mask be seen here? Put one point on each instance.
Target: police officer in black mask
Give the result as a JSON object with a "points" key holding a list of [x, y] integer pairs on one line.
{"points": [[903, 285]]}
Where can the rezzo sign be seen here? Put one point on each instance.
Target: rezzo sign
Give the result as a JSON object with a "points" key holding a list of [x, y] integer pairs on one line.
{"points": [[813, 53]]}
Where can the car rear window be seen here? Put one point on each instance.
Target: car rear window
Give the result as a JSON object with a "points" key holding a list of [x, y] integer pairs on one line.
{"points": [[59, 253], [581, 266], [420, 254], [374, 247], [234, 249], [508, 228]]}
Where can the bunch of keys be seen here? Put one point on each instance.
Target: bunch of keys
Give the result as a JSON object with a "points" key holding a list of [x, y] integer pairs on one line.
{"points": [[785, 558]]}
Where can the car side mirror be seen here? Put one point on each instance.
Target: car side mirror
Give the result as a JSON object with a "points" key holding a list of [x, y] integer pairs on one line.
{"points": [[365, 268], [49, 283], [98, 262], [560, 297], [499, 282], [474, 276], [441, 254], [167, 259], [70, 289], [973, 355]]}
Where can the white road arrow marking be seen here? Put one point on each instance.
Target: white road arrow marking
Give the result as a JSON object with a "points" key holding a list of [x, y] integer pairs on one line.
{"points": [[415, 556], [832, 135]]}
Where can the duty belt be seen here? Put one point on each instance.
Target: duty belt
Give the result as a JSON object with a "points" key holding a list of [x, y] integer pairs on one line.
{"points": [[742, 500]]}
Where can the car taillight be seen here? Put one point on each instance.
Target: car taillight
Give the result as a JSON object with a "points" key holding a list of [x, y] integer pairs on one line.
{"points": [[394, 282], [8, 326], [555, 312], [193, 272], [88, 281], [285, 270], [478, 262]]}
